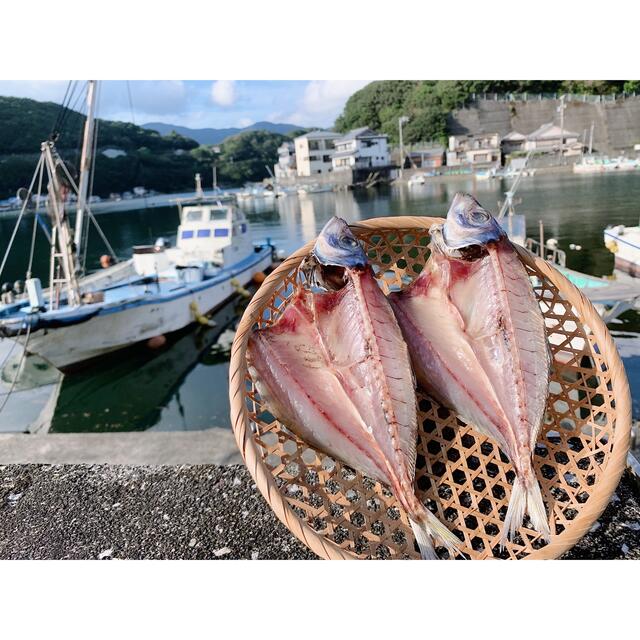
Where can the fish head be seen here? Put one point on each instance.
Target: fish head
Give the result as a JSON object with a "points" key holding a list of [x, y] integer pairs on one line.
{"points": [[335, 254], [469, 227], [469, 223], [336, 246]]}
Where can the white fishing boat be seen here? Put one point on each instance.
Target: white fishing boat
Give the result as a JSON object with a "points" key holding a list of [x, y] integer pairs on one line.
{"points": [[624, 243], [604, 164], [308, 189], [159, 290]]}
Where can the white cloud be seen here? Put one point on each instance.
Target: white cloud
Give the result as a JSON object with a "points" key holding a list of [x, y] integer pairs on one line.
{"points": [[245, 122], [323, 101], [223, 92]]}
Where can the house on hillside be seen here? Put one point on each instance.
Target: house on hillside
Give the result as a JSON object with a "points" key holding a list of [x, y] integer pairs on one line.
{"points": [[425, 156], [513, 141], [480, 149], [361, 149], [313, 152], [547, 139], [286, 167]]}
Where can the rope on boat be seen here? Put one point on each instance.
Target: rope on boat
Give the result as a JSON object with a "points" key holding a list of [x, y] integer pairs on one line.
{"points": [[72, 182], [239, 289], [200, 317], [22, 210]]}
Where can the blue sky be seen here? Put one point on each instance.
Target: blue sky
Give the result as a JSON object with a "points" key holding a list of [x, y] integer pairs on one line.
{"points": [[207, 103]]}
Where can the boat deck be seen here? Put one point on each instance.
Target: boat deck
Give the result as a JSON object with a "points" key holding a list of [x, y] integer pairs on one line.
{"points": [[135, 291]]}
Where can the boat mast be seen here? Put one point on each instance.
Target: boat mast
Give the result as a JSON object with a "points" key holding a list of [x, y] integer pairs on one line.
{"points": [[85, 168], [62, 249]]}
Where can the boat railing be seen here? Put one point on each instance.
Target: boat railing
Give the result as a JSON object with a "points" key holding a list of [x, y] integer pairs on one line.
{"points": [[550, 254]]}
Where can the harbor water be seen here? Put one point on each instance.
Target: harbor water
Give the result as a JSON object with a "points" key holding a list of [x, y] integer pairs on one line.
{"points": [[184, 385]]}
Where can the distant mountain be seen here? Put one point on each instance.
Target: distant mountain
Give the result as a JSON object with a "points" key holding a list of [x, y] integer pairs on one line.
{"points": [[215, 136]]}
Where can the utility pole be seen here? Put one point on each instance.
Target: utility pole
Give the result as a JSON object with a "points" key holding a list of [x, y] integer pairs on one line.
{"points": [[561, 108], [215, 177], [591, 138], [401, 121]]}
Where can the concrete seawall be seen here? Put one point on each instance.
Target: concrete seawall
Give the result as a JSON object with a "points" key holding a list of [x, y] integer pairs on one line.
{"points": [[616, 124]]}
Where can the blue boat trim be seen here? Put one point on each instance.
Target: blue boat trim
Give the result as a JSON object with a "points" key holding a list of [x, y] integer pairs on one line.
{"points": [[63, 317], [618, 239]]}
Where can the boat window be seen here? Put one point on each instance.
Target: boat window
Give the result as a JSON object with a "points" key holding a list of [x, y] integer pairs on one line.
{"points": [[204, 233], [219, 214], [221, 233], [193, 215], [187, 234]]}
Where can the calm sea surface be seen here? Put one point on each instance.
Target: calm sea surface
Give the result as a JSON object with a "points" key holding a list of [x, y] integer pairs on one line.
{"points": [[184, 386]]}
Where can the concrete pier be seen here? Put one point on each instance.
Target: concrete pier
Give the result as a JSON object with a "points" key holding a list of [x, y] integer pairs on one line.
{"points": [[212, 446]]}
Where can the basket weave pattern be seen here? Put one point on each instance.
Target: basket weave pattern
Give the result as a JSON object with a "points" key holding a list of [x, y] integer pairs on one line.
{"points": [[460, 474]]}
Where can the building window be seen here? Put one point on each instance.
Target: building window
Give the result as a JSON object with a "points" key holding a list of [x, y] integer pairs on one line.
{"points": [[326, 158], [313, 158], [328, 144], [314, 145]]}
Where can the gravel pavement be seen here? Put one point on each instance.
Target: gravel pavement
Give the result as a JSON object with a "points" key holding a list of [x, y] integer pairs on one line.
{"points": [[190, 512]]}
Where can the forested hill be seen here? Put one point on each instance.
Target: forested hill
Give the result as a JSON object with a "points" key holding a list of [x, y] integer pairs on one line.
{"points": [[427, 103], [25, 123], [144, 158]]}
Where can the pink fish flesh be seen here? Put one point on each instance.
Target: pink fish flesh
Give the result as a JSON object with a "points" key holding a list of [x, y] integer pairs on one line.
{"points": [[478, 344], [336, 371]]}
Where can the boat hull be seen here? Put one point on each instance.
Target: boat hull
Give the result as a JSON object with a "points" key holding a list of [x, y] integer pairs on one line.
{"points": [[624, 243], [68, 346]]}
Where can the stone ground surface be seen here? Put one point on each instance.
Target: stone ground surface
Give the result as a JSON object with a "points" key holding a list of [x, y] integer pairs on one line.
{"points": [[190, 512]]}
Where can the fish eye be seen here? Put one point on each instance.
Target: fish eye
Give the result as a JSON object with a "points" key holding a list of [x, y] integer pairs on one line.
{"points": [[479, 215], [349, 242]]}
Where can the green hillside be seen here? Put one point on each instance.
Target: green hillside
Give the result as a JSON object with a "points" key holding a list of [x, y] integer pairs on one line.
{"points": [[428, 103], [164, 163]]}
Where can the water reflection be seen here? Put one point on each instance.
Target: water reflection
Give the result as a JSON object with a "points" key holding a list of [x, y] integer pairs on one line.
{"points": [[134, 389], [185, 385]]}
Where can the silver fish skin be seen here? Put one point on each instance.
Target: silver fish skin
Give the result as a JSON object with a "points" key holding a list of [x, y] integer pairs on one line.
{"points": [[491, 336], [336, 371]]}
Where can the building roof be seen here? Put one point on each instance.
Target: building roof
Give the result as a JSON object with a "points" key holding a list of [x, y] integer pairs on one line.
{"points": [[362, 132], [549, 131], [427, 150], [319, 135], [514, 136]]}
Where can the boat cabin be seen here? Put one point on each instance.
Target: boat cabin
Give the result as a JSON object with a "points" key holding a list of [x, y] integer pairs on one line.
{"points": [[209, 232], [212, 233]]}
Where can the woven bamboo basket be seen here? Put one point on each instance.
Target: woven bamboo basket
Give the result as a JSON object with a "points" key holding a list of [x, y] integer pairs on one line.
{"points": [[461, 475]]}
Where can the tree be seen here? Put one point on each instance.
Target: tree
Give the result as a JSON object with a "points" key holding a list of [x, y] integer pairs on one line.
{"points": [[244, 157], [632, 86]]}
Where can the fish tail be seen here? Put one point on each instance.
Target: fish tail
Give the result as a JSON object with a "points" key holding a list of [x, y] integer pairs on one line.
{"points": [[427, 530], [525, 498]]}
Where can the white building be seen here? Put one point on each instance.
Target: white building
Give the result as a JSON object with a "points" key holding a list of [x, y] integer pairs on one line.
{"points": [[313, 152], [361, 149], [286, 167], [112, 152], [474, 149], [547, 138]]}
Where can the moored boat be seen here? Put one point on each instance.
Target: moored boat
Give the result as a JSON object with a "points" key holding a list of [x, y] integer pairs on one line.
{"points": [[159, 290]]}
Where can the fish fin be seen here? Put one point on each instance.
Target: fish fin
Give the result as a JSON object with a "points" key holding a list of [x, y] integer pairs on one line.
{"points": [[430, 529], [423, 538], [525, 499]]}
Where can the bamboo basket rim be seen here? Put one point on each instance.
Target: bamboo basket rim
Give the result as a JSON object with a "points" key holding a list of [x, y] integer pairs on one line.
{"points": [[325, 548]]}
